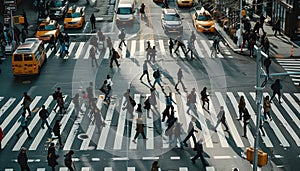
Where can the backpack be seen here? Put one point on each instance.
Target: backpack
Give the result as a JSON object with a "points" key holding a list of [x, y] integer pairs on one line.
{"points": [[55, 95], [117, 55], [156, 74], [132, 102]]}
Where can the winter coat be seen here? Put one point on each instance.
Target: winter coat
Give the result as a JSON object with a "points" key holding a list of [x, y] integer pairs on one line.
{"points": [[56, 129], [22, 159], [51, 157], [267, 105], [68, 160], [242, 104], [1, 135], [43, 114]]}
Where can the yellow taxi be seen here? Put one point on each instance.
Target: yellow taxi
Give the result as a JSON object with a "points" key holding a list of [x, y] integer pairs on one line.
{"points": [[203, 21], [74, 18], [185, 3], [158, 0], [46, 29]]}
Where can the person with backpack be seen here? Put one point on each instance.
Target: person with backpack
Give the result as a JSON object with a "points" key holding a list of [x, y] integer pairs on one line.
{"points": [[115, 55], [246, 118], [26, 103], [140, 129], [191, 101], [204, 98], [157, 78], [68, 160], [51, 157], [221, 118], [24, 126], [276, 87], [44, 114], [267, 108], [122, 38]]}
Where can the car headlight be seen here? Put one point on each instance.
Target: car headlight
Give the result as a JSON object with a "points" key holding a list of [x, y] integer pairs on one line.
{"points": [[117, 18], [131, 18], [65, 22]]}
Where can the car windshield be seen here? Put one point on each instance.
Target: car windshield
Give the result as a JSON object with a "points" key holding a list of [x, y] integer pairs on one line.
{"points": [[173, 17], [58, 4], [49, 27], [124, 11], [73, 15], [203, 17]]}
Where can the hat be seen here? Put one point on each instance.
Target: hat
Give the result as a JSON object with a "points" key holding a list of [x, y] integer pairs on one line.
{"points": [[23, 149]]}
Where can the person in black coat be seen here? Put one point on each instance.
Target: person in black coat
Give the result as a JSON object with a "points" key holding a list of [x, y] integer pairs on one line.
{"points": [[56, 131], [246, 118], [276, 87], [199, 149], [51, 157], [68, 160], [22, 160], [147, 106], [93, 21]]}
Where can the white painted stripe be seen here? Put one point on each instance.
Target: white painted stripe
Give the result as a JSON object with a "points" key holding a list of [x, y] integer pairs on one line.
{"points": [[220, 132], [175, 157], [116, 45], [235, 105], [133, 145], [106, 55], [229, 120], [219, 55], [87, 52], [150, 129], [106, 129], [278, 156], [86, 142], [287, 59], [181, 119], [85, 169], [150, 158], [210, 168], [9, 170], [32, 124], [95, 159], [181, 54], [124, 50], [79, 49], [289, 110], [162, 48], [292, 63], [183, 169], [222, 157], [40, 169], [108, 169], [63, 169], [274, 127], [49, 52], [265, 138], [1, 98], [12, 115], [120, 129], [73, 132], [291, 69], [294, 79], [197, 48], [162, 105], [15, 127], [133, 49], [141, 49], [119, 158], [71, 47], [6, 105], [206, 48], [130, 168]]}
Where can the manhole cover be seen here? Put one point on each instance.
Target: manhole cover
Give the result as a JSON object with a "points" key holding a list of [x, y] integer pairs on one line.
{"points": [[26, 82], [83, 136]]}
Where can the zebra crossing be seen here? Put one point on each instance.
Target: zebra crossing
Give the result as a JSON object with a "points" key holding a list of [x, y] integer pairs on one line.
{"points": [[136, 49], [286, 114], [291, 65]]}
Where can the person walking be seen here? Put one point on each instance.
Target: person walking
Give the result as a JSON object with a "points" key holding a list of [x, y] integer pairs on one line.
{"points": [[152, 100], [179, 78], [76, 103], [191, 130], [52, 43], [191, 48], [122, 36], [44, 114], [177, 133], [139, 129], [93, 53], [199, 149], [155, 166], [93, 21], [56, 131], [157, 78], [147, 106], [115, 55], [109, 45], [221, 118], [153, 52], [191, 102], [246, 118], [193, 37], [267, 108], [51, 157], [204, 98], [61, 104], [26, 103], [56, 96], [23, 160], [267, 63], [98, 119], [169, 102], [179, 43], [90, 94], [251, 44], [68, 160], [242, 105], [216, 42], [142, 10], [276, 27], [266, 45], [213, 49], [276, 87], [1, 137], [145, 72], [171, 46], [129, 104], [67, 40], [105, 89], [261, 125], [24, 126], [109, 83], [148, 50]]}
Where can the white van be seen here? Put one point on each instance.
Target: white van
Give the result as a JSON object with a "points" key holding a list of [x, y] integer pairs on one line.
{"points": [[125, 12]]}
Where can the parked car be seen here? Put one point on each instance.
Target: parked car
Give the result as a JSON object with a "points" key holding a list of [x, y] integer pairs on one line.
{"points": [[185, 3], [203, 21], [74, 18], [171, 21], [58, 9], [46, 29]]}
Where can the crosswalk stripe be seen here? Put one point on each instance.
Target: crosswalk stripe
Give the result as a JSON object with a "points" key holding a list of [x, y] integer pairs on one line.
{"points": [[1, 98], [85, 169], [49, 52], [130, 168], [274, 127], [162, 48], [106, 54], [289, 110], [198, 50], [6, 105], [79, 50], [232, 128], [265, 138], [71, 47], [133, 145], [183, 169], [120, 128], [181, 119], [141, 50], [85, 143], [63, 169], [31, 126], [108, 169], [150, 129], [107, 128], [41, 169], [12, 114], [165, 139], [207, 49], [9, 170], [235, 106], [210, 168], [15, 127], [87, 52], [124, 50], [285, 123], [133, 49]]}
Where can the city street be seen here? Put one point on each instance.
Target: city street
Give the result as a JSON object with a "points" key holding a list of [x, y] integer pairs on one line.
{"points": [[227, 76]]}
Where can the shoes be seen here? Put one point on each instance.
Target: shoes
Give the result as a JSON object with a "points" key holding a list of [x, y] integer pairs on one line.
{"points": [[43, 127], [245, 136], [216, 130], [227, 130], [280, 101], [30, 137], [118, 65], [193, 161], [271, 119], [134, 141]]}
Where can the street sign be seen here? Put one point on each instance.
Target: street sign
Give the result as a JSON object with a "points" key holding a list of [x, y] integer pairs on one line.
{"points": [[12, 8], [6, 2]]}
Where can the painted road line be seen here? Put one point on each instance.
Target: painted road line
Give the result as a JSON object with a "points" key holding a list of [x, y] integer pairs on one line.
{"points": [[130, 168], [85, 169], [229, 120], [120, 158], [40, 169], [79, 50], [162, 48], [108, 169], [70, 49], [49, 52], [285, 123], [181, 119], [220, 132], [86, 142], [124, 49], [183, 169], [9, 170], [274, 127], [87, 52], [1, 98], [133, 49], [116, 45], [73, 132], [165, 139], [198, 50], [106, 129], [9, 102], [150, 129], [63, 169], [38, 138], [57, 54], [205, 131], [235, 105], [210, 168], [290, 112], [106, 54], [133, 145], [206, 48], [175, 157], [16, 126], [222, 157], [142, 50], [120, 129], [266, 139], [31, 126], [150, 158]]}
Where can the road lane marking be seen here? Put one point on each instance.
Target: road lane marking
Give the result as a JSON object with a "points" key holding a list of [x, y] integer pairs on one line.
{"points": [[79, 50], [120, 129]]}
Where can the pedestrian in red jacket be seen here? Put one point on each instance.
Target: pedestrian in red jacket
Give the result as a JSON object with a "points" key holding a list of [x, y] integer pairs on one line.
{"points": [[1, 137]]}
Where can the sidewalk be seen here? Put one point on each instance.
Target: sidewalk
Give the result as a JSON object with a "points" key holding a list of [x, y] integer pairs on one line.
{"points": [[280, 46]]}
